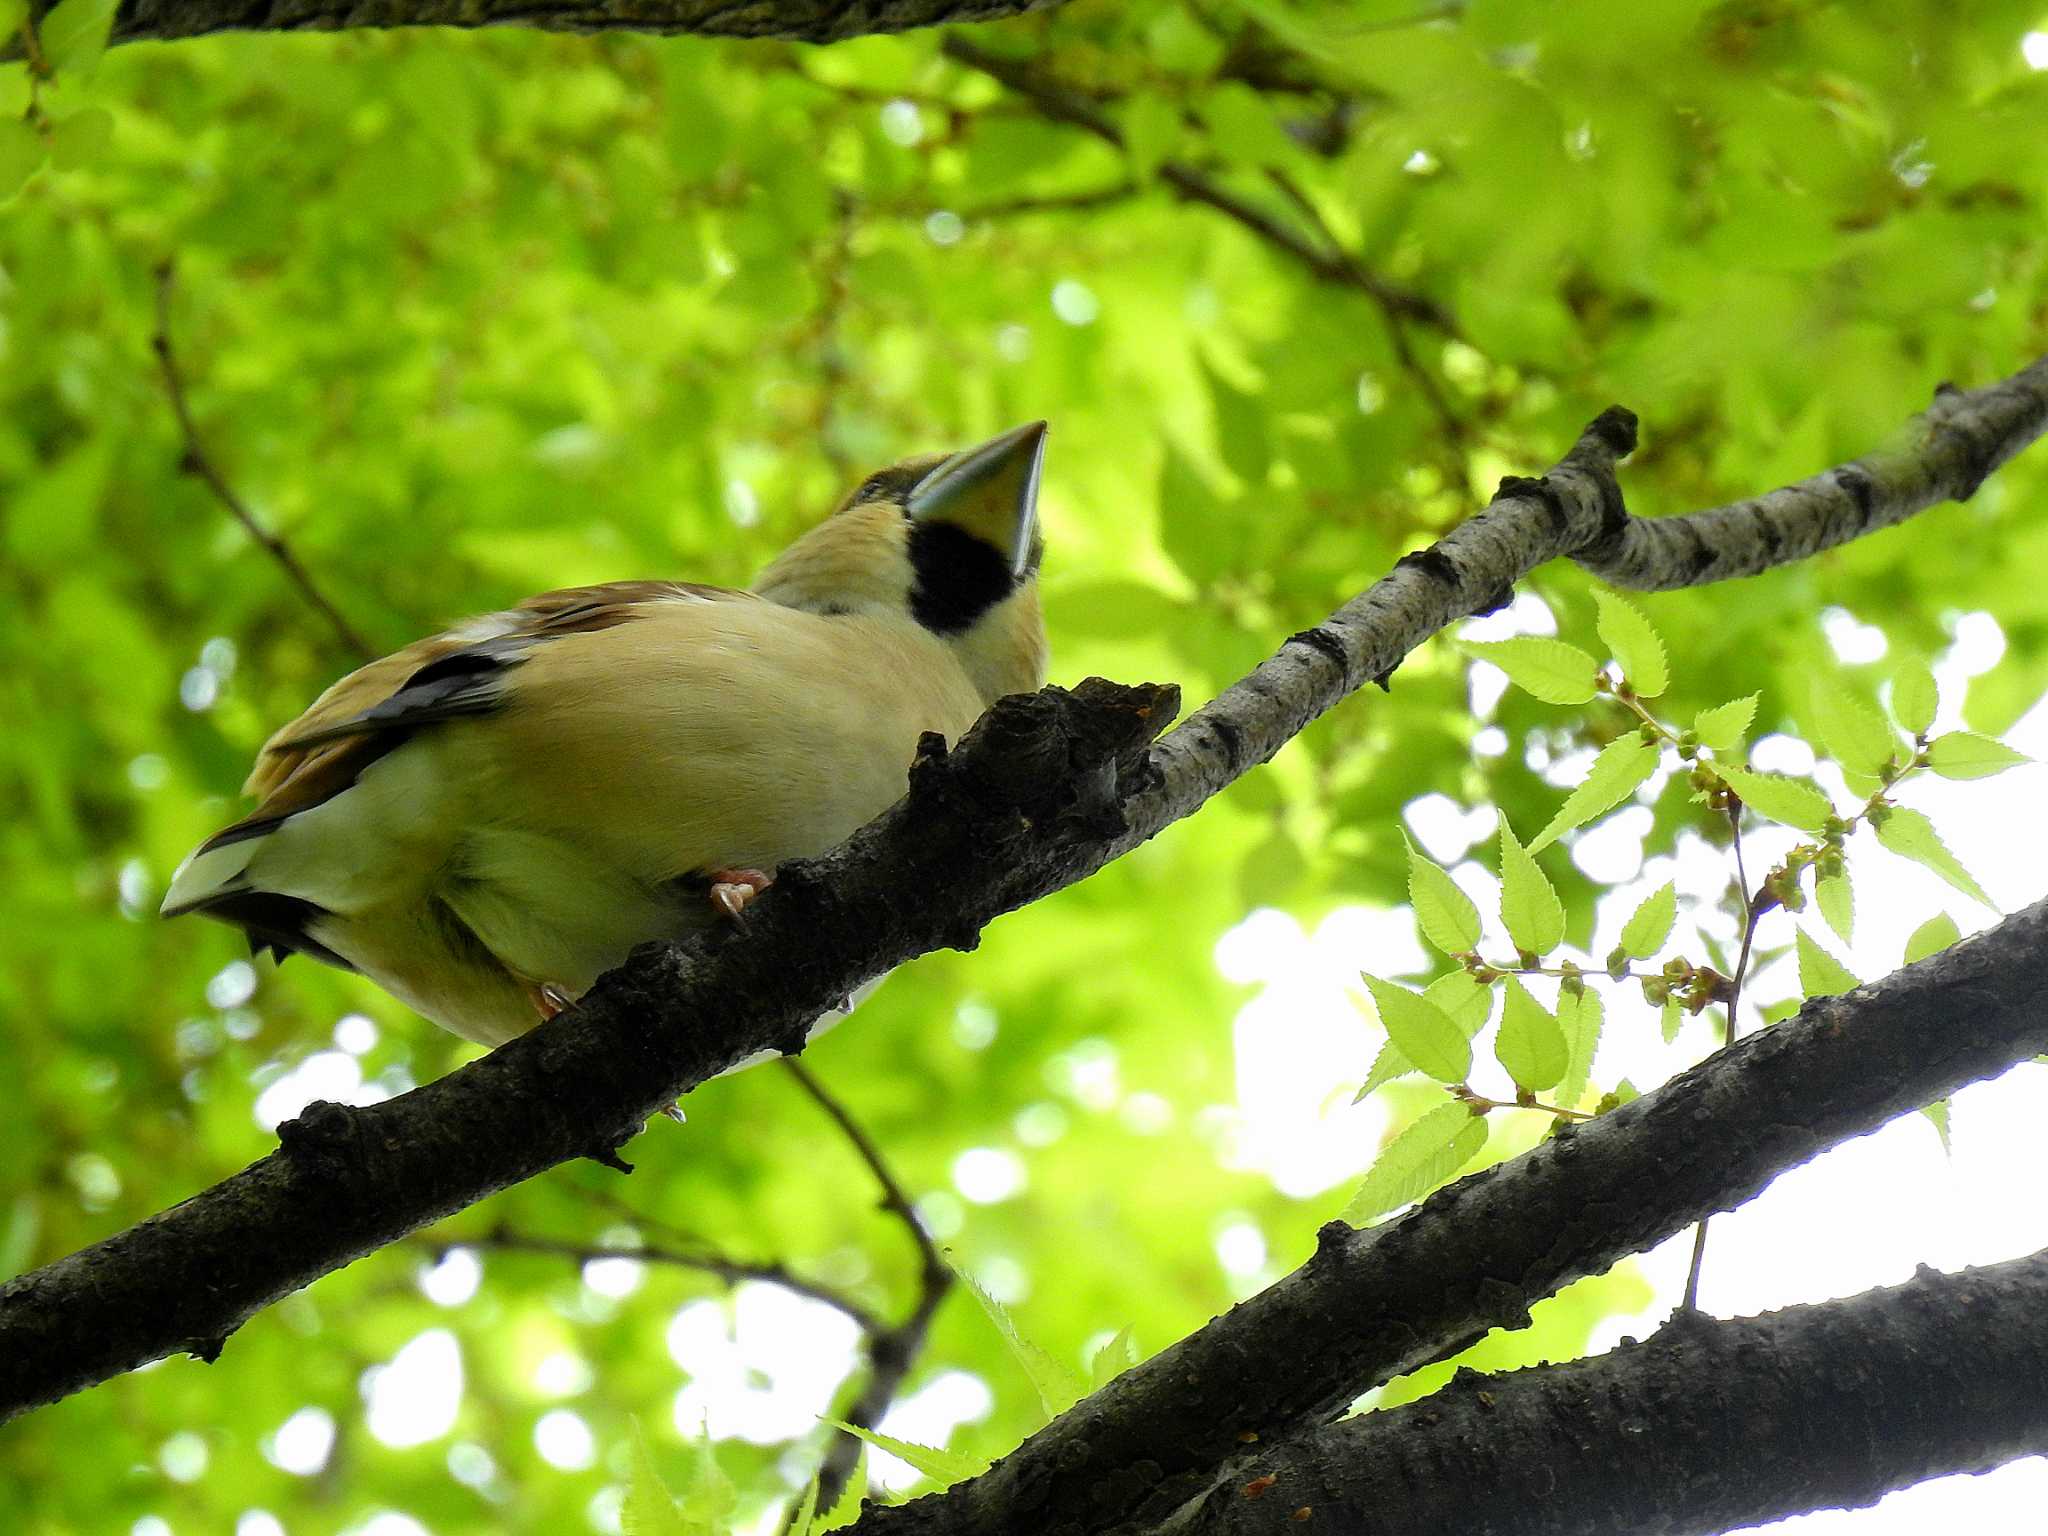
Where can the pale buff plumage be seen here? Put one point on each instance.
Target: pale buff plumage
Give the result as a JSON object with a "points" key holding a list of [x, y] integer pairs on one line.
{"points": [[497, 815]]}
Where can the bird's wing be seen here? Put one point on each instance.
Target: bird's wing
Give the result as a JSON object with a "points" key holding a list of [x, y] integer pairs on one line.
{"points": [[443, 677]]}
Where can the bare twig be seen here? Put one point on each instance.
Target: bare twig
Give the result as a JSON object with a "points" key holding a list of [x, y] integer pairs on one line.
{"points": [[891, 1351], [503, 1239], [196, 462]]}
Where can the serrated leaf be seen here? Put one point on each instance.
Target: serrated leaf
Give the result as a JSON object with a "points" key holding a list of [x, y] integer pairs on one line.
{"points": [[706, 1496], [803, 1520], [1118, 1354], [1058, 1387], [1794, 802], [1932, 937], [1937, 1116], [73, 34], [1670, 1020], [1650, 925], [1914, 697], [846, 1509], [1417, 1160], [1580, 1015], [1633, 642], [1425, 1034], [1966, 755], [1911, 835], [941, 1466], [1725, 725], [1623, 763], [1853, 732], [1468, 1005], [649, 1509], [1820, 973], [1530, 1044], [1837, 903], [1553, 671], [1529, 907], [22, 153], [1445, 914]]}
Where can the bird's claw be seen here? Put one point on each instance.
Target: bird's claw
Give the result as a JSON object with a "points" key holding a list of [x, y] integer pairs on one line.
{"points": [[732, 889]]}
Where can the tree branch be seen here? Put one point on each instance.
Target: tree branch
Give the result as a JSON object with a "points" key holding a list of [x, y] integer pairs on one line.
{"points": [[811, 21], [1706, 1427], [1374, 1304], [891, 1350], [1043, 791], [198, 463]]}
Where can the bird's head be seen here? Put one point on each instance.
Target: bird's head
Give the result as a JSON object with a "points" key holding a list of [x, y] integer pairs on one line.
{"points": [[951, 541]]}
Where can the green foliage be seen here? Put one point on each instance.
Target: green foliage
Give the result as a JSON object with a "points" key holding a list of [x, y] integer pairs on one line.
{"points": [[1058, 1387], [1423, 1156], [1424, 1034], [466, 316], [1931, 937]]}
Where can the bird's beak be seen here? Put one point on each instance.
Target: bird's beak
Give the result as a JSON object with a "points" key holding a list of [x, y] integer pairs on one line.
{"points": [[990, 491]]}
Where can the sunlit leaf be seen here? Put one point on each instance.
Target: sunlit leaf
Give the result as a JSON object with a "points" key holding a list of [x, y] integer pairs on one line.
{"points": [[1853, 732], [1426, 1035], [942, 1466], [1463, 1000], [1911, 835], [1964, 755], [1837, 903], [1937, 1115], [1529, 907], [1553, 671], [1622, 765], [1580, 1013], [1820, 973], [73, 34], [1530, 1044], [1445, 914], [1650, 924], [1419, 1159], [1057, 1386], [649, 1509], [1118, 1353], [1914, 699], [1932, 937], [1794, 802], [1725, 725], [1633, 642]]}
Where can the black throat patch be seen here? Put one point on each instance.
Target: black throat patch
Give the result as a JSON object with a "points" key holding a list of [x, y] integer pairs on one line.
{"points": [[955, 577]]}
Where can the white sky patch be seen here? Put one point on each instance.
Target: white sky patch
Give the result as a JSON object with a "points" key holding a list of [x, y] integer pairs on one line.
{"points": [[1525, 614], [562, 1374], [302, 1443], [614, 1279], [1444, 829], [1854, 641], [414, 1398], [1241, 1249], [332, 1075], [928, 1416], [762, 1365], [2034, 49], [453, 1280], [355, 1033], [388, 1522], [564, 1440], [259, 1522], [183, 1457], [988, 1175]]}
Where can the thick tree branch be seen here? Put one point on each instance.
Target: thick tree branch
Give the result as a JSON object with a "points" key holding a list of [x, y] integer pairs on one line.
{"points": [[1046, 789], [810, 21], [198, 463], [1706, 1427], [1374, 1304], [891, 1351]]}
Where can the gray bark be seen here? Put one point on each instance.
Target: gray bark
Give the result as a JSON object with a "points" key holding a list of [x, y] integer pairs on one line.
{"points": [[1705, 1427], [1046, 789]]}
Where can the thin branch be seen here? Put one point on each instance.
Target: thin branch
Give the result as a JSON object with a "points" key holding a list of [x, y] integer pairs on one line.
{"points": [[1332, 265], [504, 1239], [892, 1350], [1044, 790], [1813, 1407], [196, 462]]}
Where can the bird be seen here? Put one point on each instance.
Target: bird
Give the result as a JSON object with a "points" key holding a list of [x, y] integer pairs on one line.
{"points": [[485, 822]]}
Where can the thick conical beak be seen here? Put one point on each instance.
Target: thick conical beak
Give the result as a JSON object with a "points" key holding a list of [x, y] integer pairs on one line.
{"points": [[990, 492]]}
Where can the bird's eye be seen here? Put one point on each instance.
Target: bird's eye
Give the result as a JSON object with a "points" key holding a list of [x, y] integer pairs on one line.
{"points": [[891, 484]]}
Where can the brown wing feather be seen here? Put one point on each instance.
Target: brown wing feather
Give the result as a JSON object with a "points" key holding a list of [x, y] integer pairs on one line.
{"points": [[322, 752]]}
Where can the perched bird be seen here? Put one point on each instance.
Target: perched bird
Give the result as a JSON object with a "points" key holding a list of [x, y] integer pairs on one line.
{"points": [[486, 821]]}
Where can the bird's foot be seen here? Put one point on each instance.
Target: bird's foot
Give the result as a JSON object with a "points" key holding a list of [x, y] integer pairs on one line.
{"points": [[547, 998], [732, 889]]}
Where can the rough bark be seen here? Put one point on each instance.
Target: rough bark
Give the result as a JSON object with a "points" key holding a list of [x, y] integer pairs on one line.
{"points": [[1046, 789], [1705, 1427], [1374, 1304], [810, 21]]}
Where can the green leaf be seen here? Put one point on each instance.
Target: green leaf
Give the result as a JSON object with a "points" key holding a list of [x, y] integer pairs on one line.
{"points": [[1837, 903], [74, 34], [1645, 932], [1528, 903], [1937, 1116], [12, 14], [1820, 973], [22, 152], [1670, 1020], [1966, 755], [1932, 937], [847, 1509], [941, 1466], [707, 1496], [649, 1509], [1623, 763], [81, 138], [1530, 1044], [1914, 698], [1554, 672], [1633, 642], [1794, 802], [1725, 725], [1446, 914], [1911, 835], [1853, 732], [1580, 1014], [1425, 1034], [1118, 1354], [1058, 1387], [1464, 1000], [1152, 127], [803, 1520], [1417, 1160]]}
